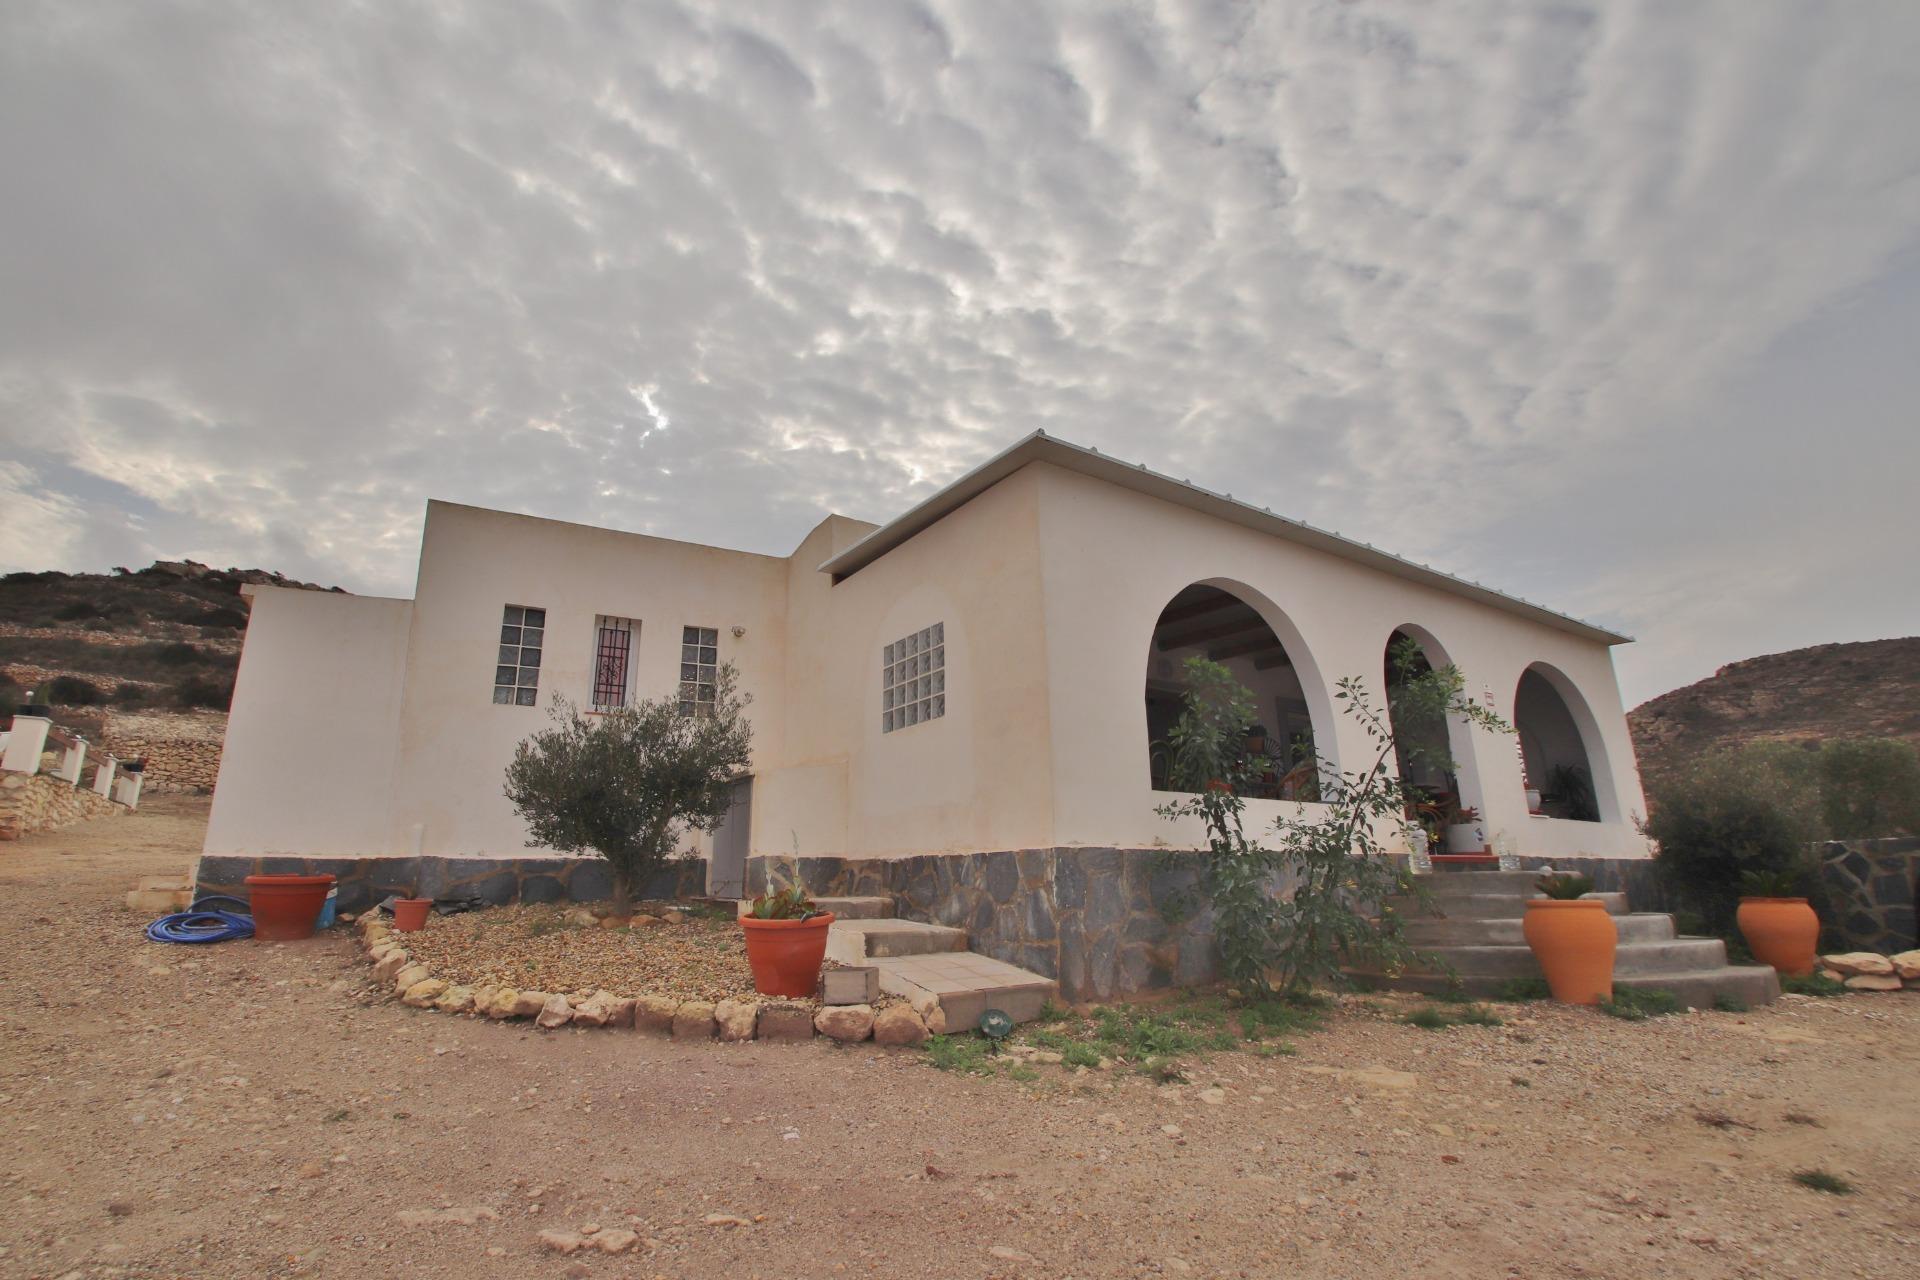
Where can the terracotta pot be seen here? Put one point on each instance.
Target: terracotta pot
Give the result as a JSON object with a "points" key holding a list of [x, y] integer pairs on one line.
{"points": [[285, 908], [786, 954], [1782, 932], [410, 914], [1574, 943]]}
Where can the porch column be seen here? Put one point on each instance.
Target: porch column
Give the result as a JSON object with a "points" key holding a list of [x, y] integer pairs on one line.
{"points": [[27, 740]]}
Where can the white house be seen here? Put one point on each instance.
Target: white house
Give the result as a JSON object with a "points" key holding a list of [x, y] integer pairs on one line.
{"points": [[983, 675]]}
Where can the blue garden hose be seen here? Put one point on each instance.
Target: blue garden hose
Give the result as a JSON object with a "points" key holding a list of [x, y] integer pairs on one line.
{"points": [[201, 922]]}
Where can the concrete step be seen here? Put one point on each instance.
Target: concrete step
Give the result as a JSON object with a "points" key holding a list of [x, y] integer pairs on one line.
{"points": [[1749, 984], [1673, 955], [1430, 931], [1489, 906], [1616, 903], [880, 908], [952, 989], [861, 941], [1461, 884]]}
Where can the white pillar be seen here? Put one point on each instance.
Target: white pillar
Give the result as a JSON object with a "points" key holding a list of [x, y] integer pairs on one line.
{"points": [[127, 788], [72, 759], [26, 742], [103, 776]]}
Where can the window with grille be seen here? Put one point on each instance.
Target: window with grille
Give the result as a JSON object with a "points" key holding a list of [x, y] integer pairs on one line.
{"points": [[612, 659], [913, 679], [699, 667], [516, 678]]}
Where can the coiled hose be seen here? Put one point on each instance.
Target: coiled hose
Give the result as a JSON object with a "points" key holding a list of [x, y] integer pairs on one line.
{"points": [[202, 922]]}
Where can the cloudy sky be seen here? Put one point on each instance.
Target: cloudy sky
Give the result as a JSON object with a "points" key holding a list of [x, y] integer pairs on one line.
{"points": [[1615, 306]]}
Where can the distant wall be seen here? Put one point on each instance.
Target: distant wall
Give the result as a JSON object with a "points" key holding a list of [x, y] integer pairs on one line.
{"points": [[1868, 891], [182, 749]]}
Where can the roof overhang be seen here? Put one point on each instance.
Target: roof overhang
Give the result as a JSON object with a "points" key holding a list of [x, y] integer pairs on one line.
{"points": [[1040, 447]]}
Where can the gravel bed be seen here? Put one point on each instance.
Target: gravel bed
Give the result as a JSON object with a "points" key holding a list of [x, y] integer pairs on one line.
{"points": [[552, 948]]}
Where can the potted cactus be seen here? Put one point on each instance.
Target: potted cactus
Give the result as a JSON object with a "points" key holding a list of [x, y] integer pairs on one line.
{"points": [[1573, 938], [1779, 925]]}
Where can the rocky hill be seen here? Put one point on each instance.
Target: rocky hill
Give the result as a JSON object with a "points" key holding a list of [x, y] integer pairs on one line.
{"points": [[141, 661], [1870, 688]]}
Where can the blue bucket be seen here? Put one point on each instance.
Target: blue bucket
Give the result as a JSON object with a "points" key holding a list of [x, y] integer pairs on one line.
{"points": [[327, 909]]}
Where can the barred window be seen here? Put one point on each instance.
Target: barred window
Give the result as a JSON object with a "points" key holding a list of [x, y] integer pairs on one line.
{"points": [[699, 667], [612, 659], [913, 679], [516, 677]]}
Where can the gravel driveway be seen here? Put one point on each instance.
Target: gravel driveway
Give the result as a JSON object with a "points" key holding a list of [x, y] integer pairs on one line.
{"points": [[256, 1110]]}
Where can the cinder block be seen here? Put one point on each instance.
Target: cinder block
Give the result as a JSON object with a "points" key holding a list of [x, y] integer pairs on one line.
{"points": [[852, 985]]}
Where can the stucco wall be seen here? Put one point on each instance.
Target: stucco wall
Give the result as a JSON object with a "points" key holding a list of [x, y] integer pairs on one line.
{"points": [[308, 761], [1113, 558]]}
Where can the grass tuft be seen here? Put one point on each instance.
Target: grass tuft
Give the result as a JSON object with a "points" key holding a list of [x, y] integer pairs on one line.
{"points": [[1637, 1006], [1820, 1180], [1433, 1018], [1726, 1003], [1522, 990], [1814, 984]]}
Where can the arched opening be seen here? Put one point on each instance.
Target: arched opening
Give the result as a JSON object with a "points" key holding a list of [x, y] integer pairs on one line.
{"points": [[1431, 749], [1557, 768], [1208, 621]]}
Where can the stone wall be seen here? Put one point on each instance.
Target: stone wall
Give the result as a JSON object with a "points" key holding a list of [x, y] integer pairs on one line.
{"points": [[182, 749], [1868, 887], [1102, 922], [362, 882], [38, 802]]}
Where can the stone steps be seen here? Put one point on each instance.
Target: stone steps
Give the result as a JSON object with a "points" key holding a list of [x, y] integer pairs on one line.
{"points": [[1750, 984], [1437, 931], [1674, 955], [879, 908], [1486, 906], [856, 942], [1459, 884], [950, 990]]}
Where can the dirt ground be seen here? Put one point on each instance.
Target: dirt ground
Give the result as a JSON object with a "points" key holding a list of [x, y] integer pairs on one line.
{"points": [[255, 1110]]}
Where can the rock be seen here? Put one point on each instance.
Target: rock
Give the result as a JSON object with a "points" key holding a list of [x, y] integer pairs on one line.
{"points": [[613, 922], [845, 1022], [674, 917], [653, 1013], [1850, 963], [1213, 1095], [899, 1024], [528, 1004], [1873, 982], [423, 993], [614, 1240], [583, 916], [643, 921], [595, 1009], [561, 1241], [620, 1012], [455, 1000], [1007, 1253], [1906, 965], [555, 1013], [785, 1022], [408, 976], [932, 1014], [467, 1216], [501, 1003], [693, 1021], [389, 966], [723, 1220], [736, 1018]]}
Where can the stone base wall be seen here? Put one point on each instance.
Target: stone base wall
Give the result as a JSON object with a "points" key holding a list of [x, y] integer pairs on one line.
{"points": [[1868, 892], [1102, 922], [363, 882], [38, 802]]}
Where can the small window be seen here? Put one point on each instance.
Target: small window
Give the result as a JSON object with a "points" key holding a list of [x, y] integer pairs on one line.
{"points": [[612, 660], [913, 679], [516, 674], [699, 669]]}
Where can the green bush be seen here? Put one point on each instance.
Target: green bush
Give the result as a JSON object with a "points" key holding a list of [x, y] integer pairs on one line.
{"points": [[1869, 788], [72, 691], [1735, 812], [214, 693]]}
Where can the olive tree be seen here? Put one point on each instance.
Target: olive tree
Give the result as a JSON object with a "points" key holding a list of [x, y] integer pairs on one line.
{"points": [[629, 784]]}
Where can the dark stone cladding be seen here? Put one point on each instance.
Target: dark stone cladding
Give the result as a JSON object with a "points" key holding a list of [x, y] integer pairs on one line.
{"points": [[1868, 889], [365, 881], [1103, 922]]}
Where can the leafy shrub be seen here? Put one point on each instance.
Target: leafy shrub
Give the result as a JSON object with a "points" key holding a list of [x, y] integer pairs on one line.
{"points": [[213, 693], [79, 611], [1735, 812], [1820, 1180], [178, 654], [1869, 787], [128, 694], [72, 691], [222, 619]]}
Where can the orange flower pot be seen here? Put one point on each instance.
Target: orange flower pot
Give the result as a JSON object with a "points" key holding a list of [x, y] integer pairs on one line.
{"points": [[410, 914], [285, 908], [1782, 932], [786, 955], [1574, 942]]}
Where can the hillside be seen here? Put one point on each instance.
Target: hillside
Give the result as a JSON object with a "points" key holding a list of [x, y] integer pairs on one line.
{"points": [[142, 661], [1870, 688]]}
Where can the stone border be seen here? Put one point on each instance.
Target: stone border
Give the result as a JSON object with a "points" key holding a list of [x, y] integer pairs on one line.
{"points": [[727, 1020]]}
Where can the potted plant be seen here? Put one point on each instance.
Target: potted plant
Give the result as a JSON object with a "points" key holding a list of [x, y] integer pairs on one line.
{"points": [[1465, 832], [786, 941], [410, 914], [1779, 925], [1573, 938]]}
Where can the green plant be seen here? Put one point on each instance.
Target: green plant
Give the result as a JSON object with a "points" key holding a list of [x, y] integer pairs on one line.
{"points": [[1433, 1018], [1336, 862], [1733, 812], [1636, 1005], [1570, 788], [629, 784], [1784, 882], [1726, 1003], [1429, 1017], [1820, 1180], [1565, 886], [1869, 787], [967, 1055], [1522, 990], [1813, 984]]}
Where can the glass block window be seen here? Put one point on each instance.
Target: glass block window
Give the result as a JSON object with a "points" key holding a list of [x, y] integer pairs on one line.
{"points": [[516, 677], [913, 679], [612, 658], [699, 663]]}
